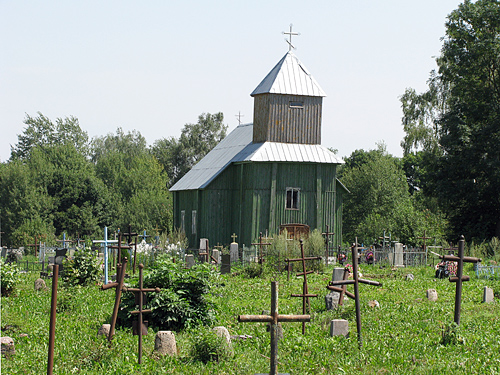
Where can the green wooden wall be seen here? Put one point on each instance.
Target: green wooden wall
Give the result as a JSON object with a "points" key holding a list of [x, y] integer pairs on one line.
{"points": [[248, 198]]}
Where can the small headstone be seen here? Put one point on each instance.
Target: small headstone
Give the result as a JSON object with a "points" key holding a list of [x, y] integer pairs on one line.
{"points": [[189, 260], [488, 295], [373, 304], [398, 255], [40, 284], [339, 327], [338, 274], [216, 255], [332, 300], [8, 347], [165, 343], [221, 331], [226, 264], [432, 295], [4, 252], [104, 330], [233, 251], [410, 277]]}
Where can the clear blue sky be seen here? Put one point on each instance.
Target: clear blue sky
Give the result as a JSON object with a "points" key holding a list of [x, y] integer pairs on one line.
{"points": [[154, 66]]}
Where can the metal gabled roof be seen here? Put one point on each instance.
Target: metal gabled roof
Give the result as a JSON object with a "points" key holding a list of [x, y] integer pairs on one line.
{"points": [[291, 77], [238, 147]]}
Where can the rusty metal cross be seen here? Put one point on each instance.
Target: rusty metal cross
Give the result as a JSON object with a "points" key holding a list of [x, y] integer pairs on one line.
{"points": [[261, 249], [460, 259], [305, 293], [274, 319], [356, 280]]}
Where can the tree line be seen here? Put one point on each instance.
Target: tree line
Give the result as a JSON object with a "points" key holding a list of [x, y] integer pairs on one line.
{"points": [[446, 184]]}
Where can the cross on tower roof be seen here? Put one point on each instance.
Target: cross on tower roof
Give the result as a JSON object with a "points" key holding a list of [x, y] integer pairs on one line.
{"points": [[290, 33], [239, 116]]}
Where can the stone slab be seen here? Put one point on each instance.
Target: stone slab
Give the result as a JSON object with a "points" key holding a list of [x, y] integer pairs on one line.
{"points": [[488, 295], [339, 327]]}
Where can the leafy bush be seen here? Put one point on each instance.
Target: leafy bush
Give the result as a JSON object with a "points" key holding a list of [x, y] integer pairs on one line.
{"points": [[314, 246], [182, 301], [9, 277], [82, 269], [207, 346]]}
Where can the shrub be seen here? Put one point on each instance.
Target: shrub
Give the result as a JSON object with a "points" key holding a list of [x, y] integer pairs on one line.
{"points": [[182, 301], [9, 277], [82, 269], [206, 346], [314, 246]]}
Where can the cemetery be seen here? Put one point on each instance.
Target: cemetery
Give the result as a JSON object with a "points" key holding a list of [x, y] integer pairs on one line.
{"points": [[405, 320]]}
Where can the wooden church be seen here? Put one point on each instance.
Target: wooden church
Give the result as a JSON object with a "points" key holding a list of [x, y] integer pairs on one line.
{"points": [[265, 175]]}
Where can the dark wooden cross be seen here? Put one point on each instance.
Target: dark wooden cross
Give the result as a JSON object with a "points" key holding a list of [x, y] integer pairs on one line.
{"points": [[261, 249], [118, 285], [327, 235], [139, 294], [119, 247], [356, 280], [459, 278], [424, 238], [274, 319], [305, 293]]}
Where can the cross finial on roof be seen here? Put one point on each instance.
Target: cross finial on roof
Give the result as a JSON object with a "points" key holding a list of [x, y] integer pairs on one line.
{"points": [[290, 33], [239, 116]]}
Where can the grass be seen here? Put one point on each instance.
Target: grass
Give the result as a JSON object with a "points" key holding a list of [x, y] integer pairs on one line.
{"points": [[402, 336]]}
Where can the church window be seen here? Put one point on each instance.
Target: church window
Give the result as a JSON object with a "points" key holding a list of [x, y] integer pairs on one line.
{"points": [[183, 218], [193, 222], [292, 198], [296, 104]]}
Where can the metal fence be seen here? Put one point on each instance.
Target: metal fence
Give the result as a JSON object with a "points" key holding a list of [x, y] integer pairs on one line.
{"points": [[487, 272]]}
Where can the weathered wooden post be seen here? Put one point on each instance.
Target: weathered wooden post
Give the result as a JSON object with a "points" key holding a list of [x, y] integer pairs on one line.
{"points": [[274, 318], [460, 259]]}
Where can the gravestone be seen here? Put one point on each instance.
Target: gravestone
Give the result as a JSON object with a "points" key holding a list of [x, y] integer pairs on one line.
{"points": [[165, 343], [221, 331], [339, 327], [7, 346], [189, 260], [398, 255], [204, 250], [233, 251], [338, 274], [104, 330], [432, 295], [488, 296], [216, 255], [4, 252], [226, 264], [332, 300], [40, 284]]}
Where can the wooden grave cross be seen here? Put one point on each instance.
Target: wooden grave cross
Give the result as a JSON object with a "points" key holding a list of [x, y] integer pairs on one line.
{"points": [[261, 249], [139, 297], [274, 319], [327, 235], [459, 278], [305, 293], [425, 238], [356, 280], [129, 236], [119, 247]]}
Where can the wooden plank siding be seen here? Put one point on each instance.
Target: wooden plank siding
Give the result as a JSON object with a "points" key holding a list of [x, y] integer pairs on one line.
{"points": [[276, 121], [248, 198]]}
